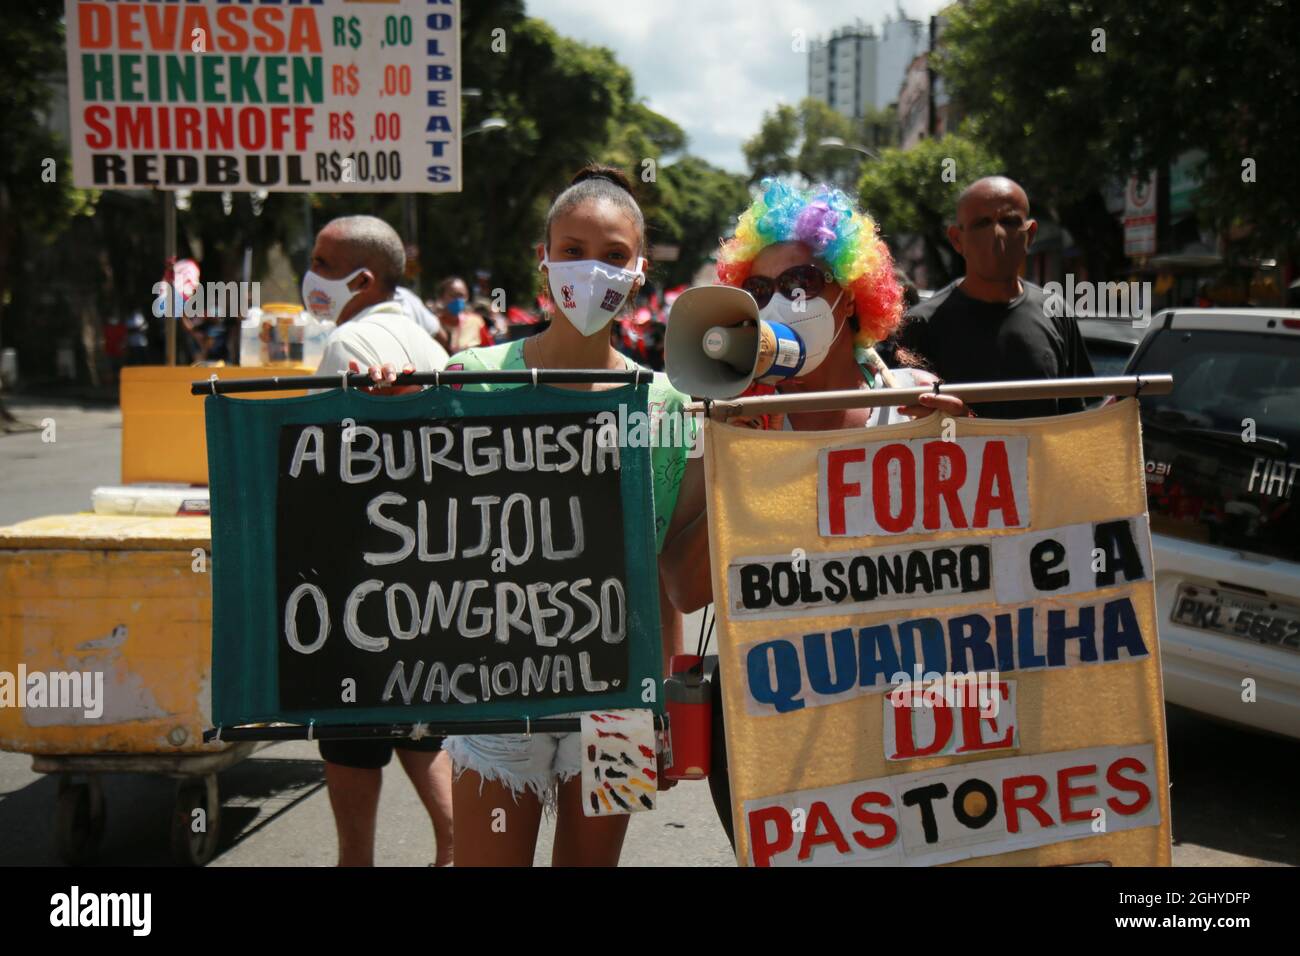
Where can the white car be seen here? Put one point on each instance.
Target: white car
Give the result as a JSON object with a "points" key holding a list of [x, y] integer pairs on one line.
{"points": [[1222, 458]]}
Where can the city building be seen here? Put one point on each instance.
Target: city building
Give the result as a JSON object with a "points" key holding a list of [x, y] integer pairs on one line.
{"points": [[914, 106], [902, 40], [925, 110], [842, 70], [857, 71]]}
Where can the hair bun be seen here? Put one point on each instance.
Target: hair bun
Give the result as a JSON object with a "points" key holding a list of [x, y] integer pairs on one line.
{"points": [[602, 171]]}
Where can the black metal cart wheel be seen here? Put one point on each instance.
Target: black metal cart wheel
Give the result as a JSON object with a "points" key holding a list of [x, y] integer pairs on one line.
{"points": [[194, 834], [79, 816]]}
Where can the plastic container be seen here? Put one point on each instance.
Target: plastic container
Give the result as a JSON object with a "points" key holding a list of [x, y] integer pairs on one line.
{"points": [[282, 334], [282, 330], [690, 718], [252, 350], [151, 499]]}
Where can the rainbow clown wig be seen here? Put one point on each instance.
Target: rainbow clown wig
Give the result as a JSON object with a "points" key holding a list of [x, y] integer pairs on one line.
{"points": [[824, 219]]}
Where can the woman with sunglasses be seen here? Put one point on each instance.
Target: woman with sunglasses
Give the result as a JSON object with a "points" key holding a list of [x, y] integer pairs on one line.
{"points": [[811, 259]]}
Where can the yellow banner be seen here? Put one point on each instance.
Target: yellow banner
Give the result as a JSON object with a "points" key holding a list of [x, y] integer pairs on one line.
{"points": [[938, 643]]}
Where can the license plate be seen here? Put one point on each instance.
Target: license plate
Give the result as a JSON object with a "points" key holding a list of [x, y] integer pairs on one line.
{"points": [[1238, 615]]}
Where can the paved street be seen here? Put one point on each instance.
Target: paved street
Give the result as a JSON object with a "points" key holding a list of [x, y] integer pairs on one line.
{"points": [[1233, 792]]}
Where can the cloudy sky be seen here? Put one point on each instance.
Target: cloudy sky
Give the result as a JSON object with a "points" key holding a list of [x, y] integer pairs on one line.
{"points": [[715, 66]]}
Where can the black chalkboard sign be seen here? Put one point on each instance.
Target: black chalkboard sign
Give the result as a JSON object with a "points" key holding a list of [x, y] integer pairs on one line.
{"points": [[458, 561]]}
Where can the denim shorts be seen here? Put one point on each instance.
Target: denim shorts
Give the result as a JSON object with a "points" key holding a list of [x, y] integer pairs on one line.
{"points": [[519, 761]]}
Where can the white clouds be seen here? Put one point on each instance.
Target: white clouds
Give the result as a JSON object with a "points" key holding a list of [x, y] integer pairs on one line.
{"points": [[715, 66]]}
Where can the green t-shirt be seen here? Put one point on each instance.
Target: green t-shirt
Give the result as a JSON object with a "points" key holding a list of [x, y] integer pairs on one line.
{"points": [[667, 461]]}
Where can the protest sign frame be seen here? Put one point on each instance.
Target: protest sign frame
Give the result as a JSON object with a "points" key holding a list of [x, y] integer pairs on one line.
{"points": [[244, 462], [1011, 391], [823, 762]]}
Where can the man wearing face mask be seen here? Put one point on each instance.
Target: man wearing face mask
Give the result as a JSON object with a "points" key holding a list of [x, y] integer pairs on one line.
{"points": [[992, 325], [356, 265]]}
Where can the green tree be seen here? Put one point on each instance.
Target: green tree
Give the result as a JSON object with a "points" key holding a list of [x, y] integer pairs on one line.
{"points": [[698, 207], [36, 196], [70, 257], [1075, 94], [566, 103], [788, 142], [914, 193], [880, 128]]}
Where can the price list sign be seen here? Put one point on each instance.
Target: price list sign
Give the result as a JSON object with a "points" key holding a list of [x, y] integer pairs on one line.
{"points": [[277, 95]]}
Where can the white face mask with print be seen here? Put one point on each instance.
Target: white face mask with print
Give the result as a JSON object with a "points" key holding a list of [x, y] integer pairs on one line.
{"points": [[589, 291], [325, 298]]}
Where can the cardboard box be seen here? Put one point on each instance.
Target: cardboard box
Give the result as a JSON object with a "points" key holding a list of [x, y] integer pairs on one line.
{"points": [[163, 434]]}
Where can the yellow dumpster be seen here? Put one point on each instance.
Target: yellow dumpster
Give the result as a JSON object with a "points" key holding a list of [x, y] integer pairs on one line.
{"points": [[124, 604]]}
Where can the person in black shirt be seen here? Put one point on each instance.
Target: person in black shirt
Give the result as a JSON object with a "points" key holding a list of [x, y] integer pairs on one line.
{"points": [[991, 325]]}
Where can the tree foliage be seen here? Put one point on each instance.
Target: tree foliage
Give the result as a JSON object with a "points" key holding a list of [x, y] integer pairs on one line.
{"points": [[1077, 93], [915, 192], [566, 103], [33, 208], [788, 142], [701, 203]]}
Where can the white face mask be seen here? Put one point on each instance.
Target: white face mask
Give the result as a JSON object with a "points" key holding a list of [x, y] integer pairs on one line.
{"points": [[813, 320], [325, 298], [589, 291]]}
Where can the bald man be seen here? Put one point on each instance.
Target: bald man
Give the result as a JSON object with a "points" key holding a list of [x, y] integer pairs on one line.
{"points": [[356, 266], [991, 325]]}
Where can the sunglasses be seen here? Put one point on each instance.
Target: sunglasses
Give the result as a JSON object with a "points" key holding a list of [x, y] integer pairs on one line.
{"points": [[810, 278]]}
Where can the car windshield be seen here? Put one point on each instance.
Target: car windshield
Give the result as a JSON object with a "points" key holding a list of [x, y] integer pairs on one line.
{"points": [[1223, 449], [1108, 358]]}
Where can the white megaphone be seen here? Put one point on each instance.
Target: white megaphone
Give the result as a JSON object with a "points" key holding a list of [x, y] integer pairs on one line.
{"points": [[716, 345]]}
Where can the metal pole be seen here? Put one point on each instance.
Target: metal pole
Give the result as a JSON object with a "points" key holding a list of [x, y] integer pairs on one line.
{"points": [[311, 236], [169, 252], [358, 380], [1119, 385], [542, 725], [412, 235]]}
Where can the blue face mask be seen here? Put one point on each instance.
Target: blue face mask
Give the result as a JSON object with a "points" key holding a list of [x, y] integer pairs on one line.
{"points": [[456, 306]]}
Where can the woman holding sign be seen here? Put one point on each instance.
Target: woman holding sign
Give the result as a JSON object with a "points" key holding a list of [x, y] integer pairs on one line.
{"points": [[593, 261], [811, 259]]}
